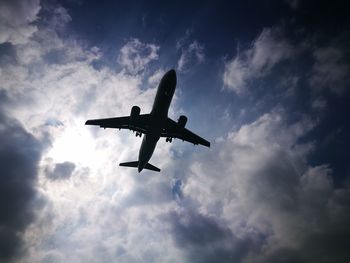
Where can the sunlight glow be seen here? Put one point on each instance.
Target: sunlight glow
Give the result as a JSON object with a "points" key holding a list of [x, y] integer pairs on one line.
{"points": [[74, 144]]}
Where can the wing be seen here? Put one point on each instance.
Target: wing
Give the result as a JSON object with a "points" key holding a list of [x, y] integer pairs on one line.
{"points": [[140, 124], [173, 130]]}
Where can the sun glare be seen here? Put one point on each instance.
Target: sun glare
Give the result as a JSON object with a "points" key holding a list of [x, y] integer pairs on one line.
{"points": [[75, 144]]}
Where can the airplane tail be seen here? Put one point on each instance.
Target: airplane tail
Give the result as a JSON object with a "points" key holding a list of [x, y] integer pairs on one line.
{"points": [[136, 164]]}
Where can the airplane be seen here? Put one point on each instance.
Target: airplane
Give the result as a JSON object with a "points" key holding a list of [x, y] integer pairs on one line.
{"points": [[154, 125]]}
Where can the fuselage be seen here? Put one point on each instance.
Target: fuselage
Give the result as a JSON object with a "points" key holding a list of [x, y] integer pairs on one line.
{"points": [[158, 115]]}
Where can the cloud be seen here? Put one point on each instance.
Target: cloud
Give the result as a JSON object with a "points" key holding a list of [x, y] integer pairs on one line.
{"points": [[262, 191], [135, 55], [289, 84], [330, 70], [294, 4], [252, 198], [56, 79], [319, 104], [156, 77], [267, 50], [60, 171], [16, 18], [20, 154], [191, 54], [203, 239]]}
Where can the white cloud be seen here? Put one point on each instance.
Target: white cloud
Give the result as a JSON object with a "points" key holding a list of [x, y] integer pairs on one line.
{"points": [[191, 54], [53, 88], [156, 77], [236, 75], [267, 50], [135, 55], [16, 18]]}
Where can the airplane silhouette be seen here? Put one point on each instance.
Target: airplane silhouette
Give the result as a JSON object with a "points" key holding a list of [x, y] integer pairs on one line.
{"points": [[154, 125]]}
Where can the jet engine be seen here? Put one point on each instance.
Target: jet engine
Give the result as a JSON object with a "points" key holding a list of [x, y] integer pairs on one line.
{"points": [[135, 112], [182, 121]]}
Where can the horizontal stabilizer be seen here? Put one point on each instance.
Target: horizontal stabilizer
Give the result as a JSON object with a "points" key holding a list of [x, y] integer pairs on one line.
{"points": [[152, 167], [136, 163], [130, 164]]}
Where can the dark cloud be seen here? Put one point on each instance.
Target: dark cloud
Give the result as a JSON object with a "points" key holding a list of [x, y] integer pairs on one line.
{"points": [[20, 153], [204, 239], [7, 53], [176, 189], [330, 69], [283, 255], [60, 171], [281, 208]]}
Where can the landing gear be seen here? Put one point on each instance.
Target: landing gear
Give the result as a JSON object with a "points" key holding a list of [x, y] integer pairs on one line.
{"points": [[138, 134], [169, 139]]}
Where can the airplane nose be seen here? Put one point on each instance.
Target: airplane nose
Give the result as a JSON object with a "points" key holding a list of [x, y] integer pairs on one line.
{"points": [[171, 75]]}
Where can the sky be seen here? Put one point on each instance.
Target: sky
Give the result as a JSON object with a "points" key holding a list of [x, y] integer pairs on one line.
{"points": [[266, 82]]}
